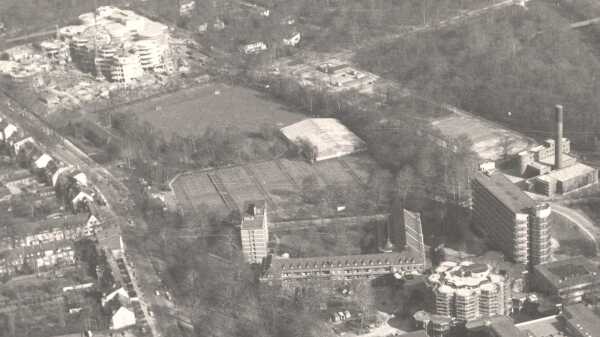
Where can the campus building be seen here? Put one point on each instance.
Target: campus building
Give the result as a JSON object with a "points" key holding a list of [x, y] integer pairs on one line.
{"points": [[551, 169], [568, 280], [254, 231], [512, 221], [406, 255], [468, 291]]}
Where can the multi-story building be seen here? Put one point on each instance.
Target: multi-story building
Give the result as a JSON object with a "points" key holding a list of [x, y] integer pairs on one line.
{"points": [[468, 291], [254, 231], [512, 221], [568, 280], [409, 257]]}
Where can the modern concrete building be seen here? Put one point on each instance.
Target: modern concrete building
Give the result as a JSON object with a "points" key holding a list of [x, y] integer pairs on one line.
{"points": [[468, 291], [254, 231], [512, 221], [580, 321], [568, 280]]}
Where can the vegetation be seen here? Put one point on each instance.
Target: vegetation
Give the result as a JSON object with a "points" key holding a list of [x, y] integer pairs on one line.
{"points": [[511, 66]]}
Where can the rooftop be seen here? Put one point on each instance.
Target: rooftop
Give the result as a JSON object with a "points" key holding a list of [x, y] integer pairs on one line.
{"points": [[543, 327], [505, 191], [253, 214], [568, 173], [582, 319], [327, 262], [569, 272], [502, 326], [330, 137]]}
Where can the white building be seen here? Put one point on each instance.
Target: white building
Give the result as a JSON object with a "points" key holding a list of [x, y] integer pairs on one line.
{"points": [[122, 318], [253, 48], [254, 231], [468, 291]]}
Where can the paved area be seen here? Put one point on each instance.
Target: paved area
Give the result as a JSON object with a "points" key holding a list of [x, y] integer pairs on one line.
{"points": [[582, 222]]}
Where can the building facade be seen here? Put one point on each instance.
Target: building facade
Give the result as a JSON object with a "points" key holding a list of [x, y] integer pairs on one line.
{"points": [[254, 231], [468, 291], [512, 221], [568, 280]]}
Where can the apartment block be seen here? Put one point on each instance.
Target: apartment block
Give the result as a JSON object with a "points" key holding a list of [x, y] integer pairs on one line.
{"points": [[254, 231], [512, 222]]}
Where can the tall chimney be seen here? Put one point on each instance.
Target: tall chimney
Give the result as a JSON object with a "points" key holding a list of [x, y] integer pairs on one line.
{"points": [[558, 160]]}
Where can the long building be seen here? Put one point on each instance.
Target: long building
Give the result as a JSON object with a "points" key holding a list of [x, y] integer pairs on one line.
{"points": [[512, 221], [408, 258], [468, 291], [254, 231], [568, 280]]}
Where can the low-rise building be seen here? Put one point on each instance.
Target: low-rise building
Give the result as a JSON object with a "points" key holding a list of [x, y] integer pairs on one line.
{"points": [[122, 318], [568, 280], [580, 321]]}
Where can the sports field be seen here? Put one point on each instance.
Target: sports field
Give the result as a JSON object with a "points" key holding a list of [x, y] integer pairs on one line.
{"points": [[279, 182], [190, 111]]}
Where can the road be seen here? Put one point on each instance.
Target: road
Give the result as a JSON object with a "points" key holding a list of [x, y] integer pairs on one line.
{"points": [[584, 224], [112, 189]]}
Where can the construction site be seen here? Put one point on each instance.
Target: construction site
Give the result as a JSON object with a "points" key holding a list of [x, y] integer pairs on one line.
{"points": [[108, 50]]}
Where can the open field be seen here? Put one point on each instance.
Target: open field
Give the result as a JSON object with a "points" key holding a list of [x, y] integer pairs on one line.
{"points": [[572, 241], [191, 111], [279, 182]]}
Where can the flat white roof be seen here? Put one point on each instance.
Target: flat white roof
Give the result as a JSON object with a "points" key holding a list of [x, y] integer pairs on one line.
{"points": [[43, 161], [330, 137], [567, 173]]}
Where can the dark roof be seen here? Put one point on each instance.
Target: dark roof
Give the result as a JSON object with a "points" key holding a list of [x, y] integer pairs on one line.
{"points": [[505, 191], [419, 333], [253, 214], [501, 326], [582, 319], [569, 272], [327, 262]]}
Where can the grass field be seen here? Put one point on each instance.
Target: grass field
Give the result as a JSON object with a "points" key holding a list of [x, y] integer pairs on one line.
{"points": [[572, 241], [279, 182], [191, 111]]}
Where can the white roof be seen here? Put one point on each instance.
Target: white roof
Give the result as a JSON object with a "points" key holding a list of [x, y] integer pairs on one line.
{"points": [[43, 161], [330, 137], [9, 130], [568, 173], [81, 178]]}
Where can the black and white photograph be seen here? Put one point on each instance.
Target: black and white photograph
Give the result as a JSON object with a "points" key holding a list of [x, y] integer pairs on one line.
{"points": [[299, 168]]}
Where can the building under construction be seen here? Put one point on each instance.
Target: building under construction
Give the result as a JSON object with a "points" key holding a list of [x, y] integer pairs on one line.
{"points": [[119, 45]]}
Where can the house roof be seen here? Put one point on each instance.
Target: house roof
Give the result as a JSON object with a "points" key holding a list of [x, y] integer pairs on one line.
{"points": [[505, 191], [43, 160]]}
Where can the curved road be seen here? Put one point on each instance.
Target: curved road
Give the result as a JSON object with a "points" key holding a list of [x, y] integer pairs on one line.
{"points": [[581, 221]]}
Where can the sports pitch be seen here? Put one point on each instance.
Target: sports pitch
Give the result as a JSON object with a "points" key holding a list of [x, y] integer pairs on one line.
{"points": [[279, 182], [190, 111]]}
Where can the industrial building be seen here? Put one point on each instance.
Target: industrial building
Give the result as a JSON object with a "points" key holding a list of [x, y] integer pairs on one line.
{"points": [[568, 280], [468, 291], [327, 136], [406, 257], [117, 44], [551, 169], [512, 221], [254, 231]]}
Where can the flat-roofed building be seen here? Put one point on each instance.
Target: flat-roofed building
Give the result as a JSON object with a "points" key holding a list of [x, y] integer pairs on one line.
{"points": [[580, 321], [254, 231], [496, 326], [566, 180], [512, 221], [568, 280]]}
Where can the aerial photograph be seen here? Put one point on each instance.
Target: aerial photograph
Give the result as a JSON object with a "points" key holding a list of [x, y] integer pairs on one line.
{"points": [[299, 168]]}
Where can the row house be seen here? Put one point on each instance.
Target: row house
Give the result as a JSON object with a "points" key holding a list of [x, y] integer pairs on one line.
{"points": [[69, 228], [38, 258]]}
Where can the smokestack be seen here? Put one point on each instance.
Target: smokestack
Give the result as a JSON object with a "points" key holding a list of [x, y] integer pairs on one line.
{"points": [[558, 160]]}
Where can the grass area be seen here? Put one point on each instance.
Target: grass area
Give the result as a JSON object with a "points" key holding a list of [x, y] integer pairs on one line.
{"points": [[191, 111], [572, 241], [334, 239]]}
